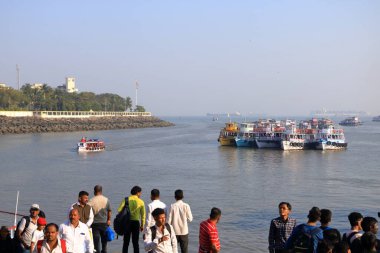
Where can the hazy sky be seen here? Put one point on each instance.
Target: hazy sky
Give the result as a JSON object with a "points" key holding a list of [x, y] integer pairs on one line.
{"points": [[198, 56]]}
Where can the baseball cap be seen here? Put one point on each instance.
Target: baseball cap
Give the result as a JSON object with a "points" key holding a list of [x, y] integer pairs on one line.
{"points": [[35, 206], [41, 221]]}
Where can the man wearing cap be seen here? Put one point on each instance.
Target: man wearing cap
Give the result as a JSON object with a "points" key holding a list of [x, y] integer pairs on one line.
{"points": [[38, 234], [26, 228]]}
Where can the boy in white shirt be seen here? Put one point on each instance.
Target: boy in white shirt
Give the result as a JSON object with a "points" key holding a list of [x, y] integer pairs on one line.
{"points": [[38, 234]]}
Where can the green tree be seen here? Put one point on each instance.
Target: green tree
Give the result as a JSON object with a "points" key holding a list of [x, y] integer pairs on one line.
{"points": [[139, 108]]}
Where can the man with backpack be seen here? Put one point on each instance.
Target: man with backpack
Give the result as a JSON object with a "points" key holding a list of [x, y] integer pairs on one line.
{"points": [[355, 219], [160, 238], [368, 224], [305, 237], [25, 229], [137, 215]]}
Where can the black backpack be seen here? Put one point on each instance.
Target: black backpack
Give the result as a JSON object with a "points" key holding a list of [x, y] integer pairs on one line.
{"points": [[122, 219], [304, 242]]}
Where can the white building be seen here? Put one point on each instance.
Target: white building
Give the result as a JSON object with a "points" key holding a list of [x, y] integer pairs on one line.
{"points": [[36, 86], [69, 86], [3, 85]]}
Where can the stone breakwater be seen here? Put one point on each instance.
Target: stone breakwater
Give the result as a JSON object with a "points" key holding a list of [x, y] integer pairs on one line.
{"points": [[20, 125]]}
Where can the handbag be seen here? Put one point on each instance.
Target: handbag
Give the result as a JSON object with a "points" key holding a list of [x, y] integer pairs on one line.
{"points": [[110, 234]]}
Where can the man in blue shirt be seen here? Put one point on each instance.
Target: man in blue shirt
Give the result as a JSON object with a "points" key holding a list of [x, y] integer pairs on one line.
{"points": [[305, 237]]}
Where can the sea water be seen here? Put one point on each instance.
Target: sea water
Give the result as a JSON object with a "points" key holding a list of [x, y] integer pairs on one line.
{"points": [[246, 184]]}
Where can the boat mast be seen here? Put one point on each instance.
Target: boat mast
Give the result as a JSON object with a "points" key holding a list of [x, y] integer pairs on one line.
{"points": [[13, 230]]}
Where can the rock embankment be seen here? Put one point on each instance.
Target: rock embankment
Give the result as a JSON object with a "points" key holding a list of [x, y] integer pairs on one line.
{"points": [[19, 125]]}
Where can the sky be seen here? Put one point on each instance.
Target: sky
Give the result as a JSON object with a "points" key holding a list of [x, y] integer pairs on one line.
{"points": [[195, 57]]}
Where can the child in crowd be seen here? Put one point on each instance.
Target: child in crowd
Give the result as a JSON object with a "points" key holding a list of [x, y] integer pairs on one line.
{"points": [[38, 234]]}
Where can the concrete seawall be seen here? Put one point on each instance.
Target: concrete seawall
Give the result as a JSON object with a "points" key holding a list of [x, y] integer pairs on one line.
{"points": [[19, 125]]}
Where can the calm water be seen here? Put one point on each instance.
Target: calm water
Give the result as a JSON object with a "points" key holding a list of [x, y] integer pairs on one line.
{"points": [[247, 184]]}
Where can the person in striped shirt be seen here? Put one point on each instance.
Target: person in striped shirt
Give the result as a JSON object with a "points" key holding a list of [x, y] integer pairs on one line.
{"points": [[208, 233]]}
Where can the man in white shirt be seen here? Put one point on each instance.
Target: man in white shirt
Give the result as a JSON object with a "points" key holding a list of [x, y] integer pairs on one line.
{"points": [[156, 203], [179, 215], [160, 238], [76, 234]]}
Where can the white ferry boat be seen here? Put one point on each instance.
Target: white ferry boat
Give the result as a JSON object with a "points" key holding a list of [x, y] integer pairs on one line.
{"points": [[377, 118], [330, 138], [269, 136], [299, 139], [90, 145]]}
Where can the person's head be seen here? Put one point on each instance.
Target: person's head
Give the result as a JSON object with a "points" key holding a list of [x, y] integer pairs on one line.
{"points": [[4, 232], [355, 219], [178, 194], [284, 209], [332, 235], [98, 190], [370, 224], [314, 214], [154, 194], [41, 223], [51, 232], [74, 216], [326, 215], [159, 216], [34, 210], [325, 246], [136, 190], [83, 197], [215, 214], [342, 247], [368, 241]]}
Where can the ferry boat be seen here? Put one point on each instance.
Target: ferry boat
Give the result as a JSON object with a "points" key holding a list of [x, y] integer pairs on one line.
{"points": [[246, 136], [269, 136], [331, 139], [228, 133], [299, 139], [351, 121], [377, 118], [90, 145]]}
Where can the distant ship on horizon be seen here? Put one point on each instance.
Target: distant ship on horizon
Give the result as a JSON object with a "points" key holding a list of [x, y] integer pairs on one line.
{"points": [[335, 113]]}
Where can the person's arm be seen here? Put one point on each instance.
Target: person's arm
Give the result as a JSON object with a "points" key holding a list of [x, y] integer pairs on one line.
{"points": [[121, 206], [19, 231], [189, 214], [142, 214], [148, 243], [271, 237], [31, 247], [170, 215], [109, 213], [289, 242], [90, 218], [149, 217]]}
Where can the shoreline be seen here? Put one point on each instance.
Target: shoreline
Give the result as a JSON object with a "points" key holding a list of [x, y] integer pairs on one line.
{"points": [[23, 125]]}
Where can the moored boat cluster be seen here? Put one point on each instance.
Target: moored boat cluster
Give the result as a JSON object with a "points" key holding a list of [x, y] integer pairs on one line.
{"points": [[320, 134]]}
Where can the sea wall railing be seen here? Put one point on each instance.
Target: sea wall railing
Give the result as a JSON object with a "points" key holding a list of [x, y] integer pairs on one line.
{"points": [[73, 114]]}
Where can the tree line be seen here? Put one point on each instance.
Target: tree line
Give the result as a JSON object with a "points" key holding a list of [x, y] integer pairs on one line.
{"points": [[47, 98]]}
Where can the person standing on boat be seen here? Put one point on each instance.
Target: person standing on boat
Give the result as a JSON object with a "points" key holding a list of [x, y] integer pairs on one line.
{"points": [[102, 218], [179, 215], [156, 203], [137, 209], [26, 228], [85, 210], [76, 234], [281, 228]]}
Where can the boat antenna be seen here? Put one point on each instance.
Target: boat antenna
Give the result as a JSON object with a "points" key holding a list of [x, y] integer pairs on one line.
{"points": [[13, 230]]}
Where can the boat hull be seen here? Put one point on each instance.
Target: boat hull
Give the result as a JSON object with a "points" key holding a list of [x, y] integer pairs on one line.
{"points": [[227, 141], [331, 146], [289, 145], [268, 143], [247, 143]]}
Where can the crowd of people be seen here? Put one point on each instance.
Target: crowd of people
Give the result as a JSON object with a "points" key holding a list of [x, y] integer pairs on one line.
{"points": [[286, 236], [164, 228]]}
